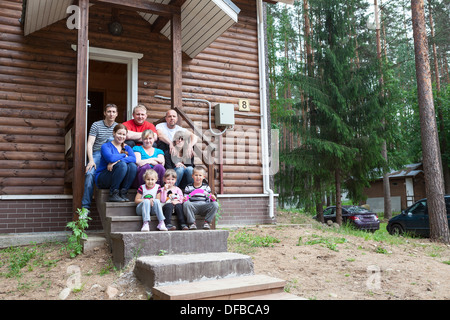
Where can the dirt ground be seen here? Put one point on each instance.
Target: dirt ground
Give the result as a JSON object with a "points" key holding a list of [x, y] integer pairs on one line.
{"points": [[317, 264]]}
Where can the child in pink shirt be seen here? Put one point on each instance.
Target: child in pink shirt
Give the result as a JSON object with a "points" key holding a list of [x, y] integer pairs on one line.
{"points": [[171, 198]]}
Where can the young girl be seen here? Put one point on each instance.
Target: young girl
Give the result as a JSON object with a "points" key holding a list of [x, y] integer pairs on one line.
{"points": [[117, 168], [147, 203], [172, 198]]}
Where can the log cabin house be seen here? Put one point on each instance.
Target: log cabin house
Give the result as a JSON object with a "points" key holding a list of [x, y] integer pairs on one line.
{"points": [[61, 61]]}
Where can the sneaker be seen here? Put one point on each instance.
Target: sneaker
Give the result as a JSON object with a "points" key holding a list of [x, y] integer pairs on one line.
{"points": [[161, 226], [193, 227], [145, 227], [171, 227], [184, 227], [206, 226]]}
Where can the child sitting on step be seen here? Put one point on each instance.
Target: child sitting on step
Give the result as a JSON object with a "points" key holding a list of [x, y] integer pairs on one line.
{"points": [[147, 203], [171, 198], [199, 200]]}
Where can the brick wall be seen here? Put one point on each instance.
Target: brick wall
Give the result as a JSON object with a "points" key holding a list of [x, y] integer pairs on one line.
{"points": [[52, 215], [39, 215], [244, 210]]}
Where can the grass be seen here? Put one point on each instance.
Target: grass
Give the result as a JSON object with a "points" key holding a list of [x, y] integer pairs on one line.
{"points": [[15, 260], [381, 235], [244, 242]]}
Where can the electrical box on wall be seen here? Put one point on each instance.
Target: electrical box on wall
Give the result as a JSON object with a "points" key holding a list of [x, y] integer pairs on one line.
{"points": [[224, 114]]}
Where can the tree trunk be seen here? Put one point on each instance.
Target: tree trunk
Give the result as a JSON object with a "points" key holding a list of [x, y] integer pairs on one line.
{"points": [[443, 138], [386, 183], [434, 182], [338, 197]]}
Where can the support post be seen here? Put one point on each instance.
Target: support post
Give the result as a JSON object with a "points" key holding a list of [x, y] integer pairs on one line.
{"points": [[176, 77], [80, 108]]}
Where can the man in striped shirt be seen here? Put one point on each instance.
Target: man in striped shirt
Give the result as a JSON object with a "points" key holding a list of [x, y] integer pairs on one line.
{"points": [[100, 132]]}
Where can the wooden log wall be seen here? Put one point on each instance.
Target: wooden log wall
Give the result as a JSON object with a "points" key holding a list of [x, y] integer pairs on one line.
{"points": [[37, 90]]}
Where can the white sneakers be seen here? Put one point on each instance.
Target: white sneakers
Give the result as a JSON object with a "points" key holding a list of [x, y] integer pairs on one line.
{"points": [[161, 226]]}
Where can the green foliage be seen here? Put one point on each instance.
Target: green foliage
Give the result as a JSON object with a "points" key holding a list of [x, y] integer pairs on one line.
{"points": [[16, 259], [329, 242], [244, 242], [332, 110], [74, 241]]}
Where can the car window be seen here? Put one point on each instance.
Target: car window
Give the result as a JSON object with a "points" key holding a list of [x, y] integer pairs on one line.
{"points": [[419, 208], [328, 211], [447, 204]]}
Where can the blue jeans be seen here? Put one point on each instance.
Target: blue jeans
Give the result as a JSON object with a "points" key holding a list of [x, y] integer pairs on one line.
{"points": [[145, 209], [185, 173], [121, 176], [89, 182]]}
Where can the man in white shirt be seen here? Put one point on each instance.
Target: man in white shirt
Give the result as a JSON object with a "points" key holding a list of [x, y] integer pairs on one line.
{"points": [[166, 131]]}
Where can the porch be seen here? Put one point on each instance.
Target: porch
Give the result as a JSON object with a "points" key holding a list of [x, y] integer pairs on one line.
{"points": [[40, 177]]}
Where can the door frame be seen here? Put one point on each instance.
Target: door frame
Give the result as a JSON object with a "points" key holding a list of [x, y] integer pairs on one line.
{"points": [[124, 57]]}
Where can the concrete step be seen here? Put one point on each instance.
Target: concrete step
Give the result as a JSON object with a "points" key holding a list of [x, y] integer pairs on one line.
{"points": [[274, 296], [134, 223], [129, 245], [179, 269], [120, 209], [223, 289]]}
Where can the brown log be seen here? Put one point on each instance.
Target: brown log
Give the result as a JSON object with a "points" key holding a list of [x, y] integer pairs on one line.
{"points": [[31, 190], [31, 173]]}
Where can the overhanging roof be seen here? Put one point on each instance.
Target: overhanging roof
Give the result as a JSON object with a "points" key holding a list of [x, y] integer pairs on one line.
{"points": [[202, 21]]}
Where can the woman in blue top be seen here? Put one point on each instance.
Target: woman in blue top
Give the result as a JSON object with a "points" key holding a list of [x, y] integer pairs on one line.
{"points": [[117, 168], [148, 157]]}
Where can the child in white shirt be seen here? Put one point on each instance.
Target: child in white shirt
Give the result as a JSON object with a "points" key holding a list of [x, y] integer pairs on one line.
{"points": [[147, 202]]}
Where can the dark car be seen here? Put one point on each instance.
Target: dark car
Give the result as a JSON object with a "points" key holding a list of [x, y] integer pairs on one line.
{"points": [[360, 217], [415, 219]]}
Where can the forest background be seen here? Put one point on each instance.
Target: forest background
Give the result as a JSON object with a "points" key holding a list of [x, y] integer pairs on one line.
{"points": [[345, 102]]}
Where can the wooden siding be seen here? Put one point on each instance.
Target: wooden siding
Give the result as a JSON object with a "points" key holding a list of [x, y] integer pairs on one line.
{"points": [[37, 90]]}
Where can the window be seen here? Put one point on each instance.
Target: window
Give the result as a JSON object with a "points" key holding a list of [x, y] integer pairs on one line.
{"points": [[419, 208]]}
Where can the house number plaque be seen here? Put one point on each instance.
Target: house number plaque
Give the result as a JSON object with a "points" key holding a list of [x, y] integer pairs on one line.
{"points": [[244, 105]]}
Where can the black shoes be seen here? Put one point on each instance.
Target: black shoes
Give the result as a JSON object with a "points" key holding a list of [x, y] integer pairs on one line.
{"points": [[118, 196]]}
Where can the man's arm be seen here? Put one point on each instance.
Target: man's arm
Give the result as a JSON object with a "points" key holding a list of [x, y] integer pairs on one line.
{"points": [[90, 144]]}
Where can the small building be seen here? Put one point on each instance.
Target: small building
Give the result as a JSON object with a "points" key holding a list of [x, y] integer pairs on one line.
{"points": [[407, 186], [58, 55]]}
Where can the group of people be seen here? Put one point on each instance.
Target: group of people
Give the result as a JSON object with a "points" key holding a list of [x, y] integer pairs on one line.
{"points": [[157, 161]]}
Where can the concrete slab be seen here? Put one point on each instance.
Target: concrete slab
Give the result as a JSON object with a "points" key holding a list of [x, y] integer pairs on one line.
{"points": [[92, 242], [185, 268], [24, 239], [223, 289], [129, 245]]}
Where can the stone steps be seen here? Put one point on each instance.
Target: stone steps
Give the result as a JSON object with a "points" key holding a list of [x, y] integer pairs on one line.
{"points": [[129, 245], [243, 287], [157, 271], [188, 264], [121, 216]]}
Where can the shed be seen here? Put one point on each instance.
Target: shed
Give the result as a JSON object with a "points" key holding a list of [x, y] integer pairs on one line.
{"points": [[407, 186], [58, 54]]}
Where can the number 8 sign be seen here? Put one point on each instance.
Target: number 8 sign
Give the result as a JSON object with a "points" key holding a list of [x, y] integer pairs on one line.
{"points": [[244, 105]]}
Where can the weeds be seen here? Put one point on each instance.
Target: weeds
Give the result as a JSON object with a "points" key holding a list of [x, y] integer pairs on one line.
{"points": [[329, 242], [17, 258], [245, 242], [74, 242]]}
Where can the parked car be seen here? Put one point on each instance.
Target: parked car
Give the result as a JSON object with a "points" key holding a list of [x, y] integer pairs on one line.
{"points": [[358, 216], [415, 219]]}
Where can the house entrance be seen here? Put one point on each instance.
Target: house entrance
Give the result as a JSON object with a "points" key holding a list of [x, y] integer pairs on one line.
{"points": [[107, 84]]}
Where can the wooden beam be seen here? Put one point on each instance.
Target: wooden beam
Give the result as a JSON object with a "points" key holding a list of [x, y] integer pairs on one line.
{"points": [[143, 6], [177, 63], [80, 107], [161, 21]]}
